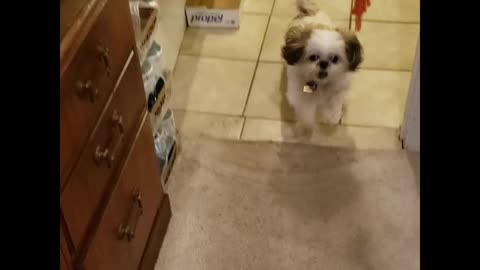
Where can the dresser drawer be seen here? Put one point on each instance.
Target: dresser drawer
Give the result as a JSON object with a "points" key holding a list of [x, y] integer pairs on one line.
{"points": [[63, 263], [120, 239], [88, 81], [104, 152]]}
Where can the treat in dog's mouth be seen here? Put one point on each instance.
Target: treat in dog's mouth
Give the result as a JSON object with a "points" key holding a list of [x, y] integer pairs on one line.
{"points": [[322, 75], [311, 85]]}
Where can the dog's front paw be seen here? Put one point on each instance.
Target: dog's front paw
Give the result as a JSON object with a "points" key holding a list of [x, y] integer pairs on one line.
{"points": [[300, 129], [332, 117]]}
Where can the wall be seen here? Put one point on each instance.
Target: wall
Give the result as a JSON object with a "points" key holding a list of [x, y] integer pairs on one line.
{"points": [[171, 28], [411, 127]]}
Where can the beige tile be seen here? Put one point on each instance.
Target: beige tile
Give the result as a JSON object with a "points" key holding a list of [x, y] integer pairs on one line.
{"points": [[211, 84], [339, 136], [394, 10], [377, 98], [336, 9], [277, 27], [389, 45], [213, 125], [257, 6], [274, 39], [267, 99], [267, 96], [242, 43]]}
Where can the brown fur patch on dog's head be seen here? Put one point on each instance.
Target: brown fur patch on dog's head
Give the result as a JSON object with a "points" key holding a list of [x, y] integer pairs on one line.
{"points": [[295, 41], [353, 47]]}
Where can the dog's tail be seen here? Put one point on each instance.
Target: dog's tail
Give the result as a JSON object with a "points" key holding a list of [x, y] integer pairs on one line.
{"points": [[307, 7]]}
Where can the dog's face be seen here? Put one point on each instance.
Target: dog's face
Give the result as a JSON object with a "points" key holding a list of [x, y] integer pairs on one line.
{"points": [[323, 56]]}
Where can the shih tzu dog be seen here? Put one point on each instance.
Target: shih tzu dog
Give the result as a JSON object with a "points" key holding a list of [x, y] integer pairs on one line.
{"points": [[321, 60]]}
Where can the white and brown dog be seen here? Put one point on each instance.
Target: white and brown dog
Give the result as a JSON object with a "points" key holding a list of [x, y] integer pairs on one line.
{"points": [[323, 57]]}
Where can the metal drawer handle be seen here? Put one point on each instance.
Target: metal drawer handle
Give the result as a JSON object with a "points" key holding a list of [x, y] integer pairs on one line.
{"points": [[87, 89], [117, 121], [106, 154], [104, 54], [127, 230], [139, 206]]}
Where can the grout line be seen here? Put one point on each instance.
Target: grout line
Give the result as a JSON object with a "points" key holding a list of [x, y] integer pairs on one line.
{"points": [[256, 64], [271, 61], [243, 127], [360, 68], [255, 13], [367, 126], [217, 57], [388, 22], [245, 117], [257, 61], [385, 69], [323, 124], [337, 19], [280, 62], [291, 16], [208, 113]]}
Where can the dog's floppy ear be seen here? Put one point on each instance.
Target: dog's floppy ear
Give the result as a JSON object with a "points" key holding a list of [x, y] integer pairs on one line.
{"points": [[295, 41], [354, 49]]}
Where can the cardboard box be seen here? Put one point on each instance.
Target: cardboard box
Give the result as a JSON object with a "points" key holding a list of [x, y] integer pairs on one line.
{"points": [[213, 13]]}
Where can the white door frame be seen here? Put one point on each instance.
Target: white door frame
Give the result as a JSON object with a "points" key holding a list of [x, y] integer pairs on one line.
{"points": [[410, 130]]}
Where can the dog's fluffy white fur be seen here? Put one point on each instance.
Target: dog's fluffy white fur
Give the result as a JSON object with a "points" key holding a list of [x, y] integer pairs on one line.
{"points": [[322, 56]]}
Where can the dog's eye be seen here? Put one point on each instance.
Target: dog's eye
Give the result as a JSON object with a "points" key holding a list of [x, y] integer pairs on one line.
{"points": [[334, 59], [314, 57]]}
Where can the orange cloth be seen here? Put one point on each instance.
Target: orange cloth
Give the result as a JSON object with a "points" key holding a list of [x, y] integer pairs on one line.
{"points": [[359, 8]]}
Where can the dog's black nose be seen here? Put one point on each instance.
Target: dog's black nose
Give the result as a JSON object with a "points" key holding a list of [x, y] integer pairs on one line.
{"points": [[324, 64]]}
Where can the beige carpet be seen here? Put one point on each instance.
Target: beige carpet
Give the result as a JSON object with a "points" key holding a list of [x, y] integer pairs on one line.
{"points": [[240, 205]]}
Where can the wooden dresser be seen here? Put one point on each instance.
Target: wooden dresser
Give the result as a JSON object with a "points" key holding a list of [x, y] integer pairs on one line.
{"points": [[114, 212]]}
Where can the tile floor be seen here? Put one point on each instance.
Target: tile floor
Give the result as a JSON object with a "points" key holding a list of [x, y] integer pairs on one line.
{"points": [[230, 83]]}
